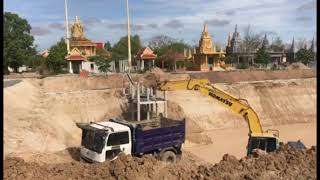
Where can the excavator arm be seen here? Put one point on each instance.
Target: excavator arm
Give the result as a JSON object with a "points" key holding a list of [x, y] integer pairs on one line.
{"points": [[239, 106], [267, 140]]}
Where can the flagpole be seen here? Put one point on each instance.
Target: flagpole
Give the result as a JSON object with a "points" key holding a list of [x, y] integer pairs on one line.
{"points": [[67, 25], [129, 41]]}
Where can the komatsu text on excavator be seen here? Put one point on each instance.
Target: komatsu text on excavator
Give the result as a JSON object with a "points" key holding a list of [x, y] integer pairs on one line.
{"points": [[258, 139]]}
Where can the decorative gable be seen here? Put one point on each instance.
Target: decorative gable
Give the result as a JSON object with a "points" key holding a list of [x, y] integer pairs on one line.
{"points": [[146, 53], [75, 54]]}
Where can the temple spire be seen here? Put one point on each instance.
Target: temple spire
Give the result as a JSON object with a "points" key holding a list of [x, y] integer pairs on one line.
{"points": [[305, 45], [264, 42], [292, 45], [77, 30], [291, 52], [235, 34], [205, 28], [312, 45], [229, 40]]}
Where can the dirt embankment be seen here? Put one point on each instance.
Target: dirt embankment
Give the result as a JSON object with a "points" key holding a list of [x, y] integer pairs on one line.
{"points": [[283, 164], [40, 114], [52, 106], [68, 83], [276, 103], [256, 75]]}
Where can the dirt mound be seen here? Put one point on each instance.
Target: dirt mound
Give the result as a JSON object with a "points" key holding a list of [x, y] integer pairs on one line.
{"points": [[65, 83], [175, 111], [285, 163], [294, 66], [156, 75], [157, 71], [22, 75]]}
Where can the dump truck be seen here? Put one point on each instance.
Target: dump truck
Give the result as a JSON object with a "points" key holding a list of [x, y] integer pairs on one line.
{"points": [[104, 141]]}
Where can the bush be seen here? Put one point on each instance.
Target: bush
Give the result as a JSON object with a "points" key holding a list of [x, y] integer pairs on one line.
{"points": [[242, 66]]}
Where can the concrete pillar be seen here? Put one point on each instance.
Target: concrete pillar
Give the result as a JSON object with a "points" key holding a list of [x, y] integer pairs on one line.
{"points": [[82, 65], [70, 67], [165, 104], [153, 63], [148, 105], [132, 92], [138, 102], [142, 64]]}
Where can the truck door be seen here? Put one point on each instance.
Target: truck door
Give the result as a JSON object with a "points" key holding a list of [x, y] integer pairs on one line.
{"points": [[118, 142]]}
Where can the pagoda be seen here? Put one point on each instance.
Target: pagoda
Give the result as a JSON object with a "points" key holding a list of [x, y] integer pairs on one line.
{"points": [[206, 58], [81, 48]]}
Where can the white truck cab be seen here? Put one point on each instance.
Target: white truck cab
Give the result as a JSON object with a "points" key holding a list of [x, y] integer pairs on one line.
{"points": [[101, 141], [104, 141]]}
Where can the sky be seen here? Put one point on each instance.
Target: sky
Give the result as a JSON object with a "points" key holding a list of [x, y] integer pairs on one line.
{"points": [[105, 20]]}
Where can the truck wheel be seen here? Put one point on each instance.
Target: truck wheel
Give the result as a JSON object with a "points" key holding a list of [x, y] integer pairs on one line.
{"points": [[169, 157]]}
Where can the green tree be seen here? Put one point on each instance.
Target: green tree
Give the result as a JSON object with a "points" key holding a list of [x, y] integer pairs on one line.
{"points": [[120, 49], [167, 54], [305, 55], [18, 42], [35, 61], [103, 52], [231, 59], [263, 57], [277, 44], [102, 63], [56, 59], [107, 46]]}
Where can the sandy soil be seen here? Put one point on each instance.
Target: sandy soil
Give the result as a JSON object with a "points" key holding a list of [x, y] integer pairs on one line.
{"points": [[285, 163], [40, 116], [254, 75], [234, 141], [276, 102], [47, 118]]}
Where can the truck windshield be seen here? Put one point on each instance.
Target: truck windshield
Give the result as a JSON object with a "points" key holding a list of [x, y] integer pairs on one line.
{"points": [[93, 140]]}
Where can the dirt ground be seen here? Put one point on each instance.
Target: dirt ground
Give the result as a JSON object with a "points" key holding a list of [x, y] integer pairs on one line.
{"points": [[234, 141], [255, 75], [283, 164], [40, 117]]}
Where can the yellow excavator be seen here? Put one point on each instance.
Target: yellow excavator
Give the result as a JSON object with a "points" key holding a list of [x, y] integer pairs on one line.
{"points": [[258, 139]]}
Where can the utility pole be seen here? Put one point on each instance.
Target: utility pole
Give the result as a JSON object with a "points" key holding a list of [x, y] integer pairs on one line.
{"points": [[67, 25], [129, 42]]}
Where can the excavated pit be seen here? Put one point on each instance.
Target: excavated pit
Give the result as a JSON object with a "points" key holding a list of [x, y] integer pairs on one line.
{"points": [[40, 116]]}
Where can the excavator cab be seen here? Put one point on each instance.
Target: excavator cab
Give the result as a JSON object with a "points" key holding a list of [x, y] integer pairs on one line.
{"points": [[267, 144]]}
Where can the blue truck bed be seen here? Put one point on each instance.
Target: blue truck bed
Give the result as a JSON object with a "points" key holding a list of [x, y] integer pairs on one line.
{"points": [[169, 133]]}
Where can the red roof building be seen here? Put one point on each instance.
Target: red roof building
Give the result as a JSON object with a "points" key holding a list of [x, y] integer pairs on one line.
{"points": [[100, 45], [145, 54]]}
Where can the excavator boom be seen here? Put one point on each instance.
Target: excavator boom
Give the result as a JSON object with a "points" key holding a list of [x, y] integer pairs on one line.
{"points": [[239, 106], [257, 137]]}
